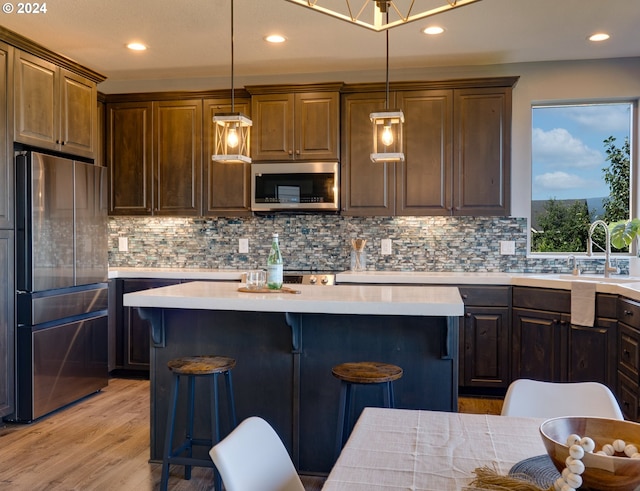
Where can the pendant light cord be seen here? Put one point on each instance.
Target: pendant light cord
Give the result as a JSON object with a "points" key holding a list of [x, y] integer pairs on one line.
{"points": [[386, 104], [232, 90]]}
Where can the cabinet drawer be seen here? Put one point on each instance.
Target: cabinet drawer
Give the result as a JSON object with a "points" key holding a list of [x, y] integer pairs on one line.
{"points": [[542, 299], [627, 393], [629, 351], [487, 296], [629, 312]]}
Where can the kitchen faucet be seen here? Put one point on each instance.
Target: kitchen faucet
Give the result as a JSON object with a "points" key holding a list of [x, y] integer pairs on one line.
{"points": [[607, 251]]}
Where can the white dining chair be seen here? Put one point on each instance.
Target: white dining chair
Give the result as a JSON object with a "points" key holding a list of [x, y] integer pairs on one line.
{"points": [[532, 398], [252, 457]]}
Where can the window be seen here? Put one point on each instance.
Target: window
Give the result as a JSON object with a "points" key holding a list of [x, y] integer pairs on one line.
{"points": [[580, 172]]}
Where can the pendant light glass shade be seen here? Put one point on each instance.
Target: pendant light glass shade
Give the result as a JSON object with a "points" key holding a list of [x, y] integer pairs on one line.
{"points": [[369, 13], [387, 136], [231, 139]]}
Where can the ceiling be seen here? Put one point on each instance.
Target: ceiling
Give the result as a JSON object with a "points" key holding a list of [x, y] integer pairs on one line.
{"points": [[189, 41]]}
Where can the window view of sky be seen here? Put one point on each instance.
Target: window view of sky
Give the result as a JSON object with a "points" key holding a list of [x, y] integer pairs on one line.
{"points": [[568, 153]]}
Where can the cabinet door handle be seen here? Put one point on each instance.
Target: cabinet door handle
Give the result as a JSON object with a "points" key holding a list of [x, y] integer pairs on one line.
{"points": [[290, 152], [628, 312], [297, 152], [465, 296], [468, 315]]}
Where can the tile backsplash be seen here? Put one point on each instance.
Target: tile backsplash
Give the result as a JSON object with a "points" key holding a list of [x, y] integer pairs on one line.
{"points": [[323, 242]]}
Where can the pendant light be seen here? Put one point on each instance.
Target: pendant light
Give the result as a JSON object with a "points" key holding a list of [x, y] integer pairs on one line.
{"points": [[387, 127], [232, 129], [403, 11]]}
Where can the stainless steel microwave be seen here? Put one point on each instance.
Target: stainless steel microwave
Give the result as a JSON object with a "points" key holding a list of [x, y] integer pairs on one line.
{"points": [[290, 186]]}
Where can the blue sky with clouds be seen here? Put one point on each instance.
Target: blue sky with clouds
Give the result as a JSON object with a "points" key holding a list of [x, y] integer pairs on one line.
{"points": [[568, 153]]}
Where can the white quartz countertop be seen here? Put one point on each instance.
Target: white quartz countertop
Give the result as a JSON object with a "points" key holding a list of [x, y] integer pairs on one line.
{"points": [[178, 273], [615, 284], [340, 299]]}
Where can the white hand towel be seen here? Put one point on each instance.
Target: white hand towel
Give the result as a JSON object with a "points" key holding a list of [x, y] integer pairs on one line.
{"points": [[583, 303]]}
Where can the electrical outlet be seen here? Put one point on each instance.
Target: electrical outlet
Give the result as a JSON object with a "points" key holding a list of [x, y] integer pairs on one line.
{"points": [[243, 245], [507, 247], [123, 244], [385, 247]]}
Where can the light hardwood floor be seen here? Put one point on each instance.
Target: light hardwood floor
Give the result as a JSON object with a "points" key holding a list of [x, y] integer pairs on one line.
{"points": [[99, 444]]}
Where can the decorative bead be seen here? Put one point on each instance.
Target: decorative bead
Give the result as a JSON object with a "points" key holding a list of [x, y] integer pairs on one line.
{"points": [[566, 487], [565, 473], [636, 456], [630, 449], [608, 449], [568, 460], [573, 439], [574, 480], [576, 466], [576, 451], [601, 452], [587, 444], [618, 445], [558, 484]]}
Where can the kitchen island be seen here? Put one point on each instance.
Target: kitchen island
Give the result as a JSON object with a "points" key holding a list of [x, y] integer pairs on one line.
{"points": [[285, 345]]}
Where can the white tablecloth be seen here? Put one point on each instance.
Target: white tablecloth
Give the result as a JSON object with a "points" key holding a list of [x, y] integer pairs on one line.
{"points": [[392, 449]]}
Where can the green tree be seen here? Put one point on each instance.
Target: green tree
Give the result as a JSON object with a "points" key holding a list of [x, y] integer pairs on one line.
{"points": [[617, 175], [564, 227]]}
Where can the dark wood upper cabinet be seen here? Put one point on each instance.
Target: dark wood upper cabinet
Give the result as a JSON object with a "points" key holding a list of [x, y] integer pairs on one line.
{"points": [[177, 157], [6, 146], [154, 155], [482, 155], [423, 180], [129, 152], [227, 188], [367, 189], [456, 146], [54, 108], [295, 123]]}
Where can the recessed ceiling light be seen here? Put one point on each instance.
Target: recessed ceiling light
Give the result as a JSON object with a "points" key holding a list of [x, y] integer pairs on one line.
{"points": [[433, 30], [136, 46], [275, 38], [599, 36]]}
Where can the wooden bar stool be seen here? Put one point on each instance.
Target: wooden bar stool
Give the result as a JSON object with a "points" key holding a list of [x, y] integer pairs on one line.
{"points": [[182, 454], [361, 373]]}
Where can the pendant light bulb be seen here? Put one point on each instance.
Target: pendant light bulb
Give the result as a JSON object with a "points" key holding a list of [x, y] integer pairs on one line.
{"points": [[232, 137], [387, 135]]}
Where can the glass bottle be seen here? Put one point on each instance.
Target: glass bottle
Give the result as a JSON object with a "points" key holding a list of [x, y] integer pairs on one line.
{"points": [[274, 266]]}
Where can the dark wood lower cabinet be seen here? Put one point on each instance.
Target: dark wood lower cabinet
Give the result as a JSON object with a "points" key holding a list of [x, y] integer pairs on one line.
{"points": [[485, 338], [7, 322], [546, 346], [132, 333], [628, 348]]}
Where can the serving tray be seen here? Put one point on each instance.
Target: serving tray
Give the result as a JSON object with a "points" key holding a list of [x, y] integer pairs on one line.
{"points": [[284, 289]]}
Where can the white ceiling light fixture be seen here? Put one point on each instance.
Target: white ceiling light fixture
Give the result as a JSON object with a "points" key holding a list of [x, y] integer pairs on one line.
{"points": [[136, 46], [599, 36], [275, 38], [433, 30], [359, 12], [387, 128], [231, 129]]}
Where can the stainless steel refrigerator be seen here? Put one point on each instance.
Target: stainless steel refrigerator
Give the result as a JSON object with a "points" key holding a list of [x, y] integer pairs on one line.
{"points": [[61, 277]]}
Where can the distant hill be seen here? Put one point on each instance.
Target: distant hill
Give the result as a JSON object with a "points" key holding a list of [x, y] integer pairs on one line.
{"points": [[594, 205]]}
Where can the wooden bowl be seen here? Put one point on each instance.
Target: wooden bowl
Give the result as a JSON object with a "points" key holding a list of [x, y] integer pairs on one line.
{"points": [[602, 472]]}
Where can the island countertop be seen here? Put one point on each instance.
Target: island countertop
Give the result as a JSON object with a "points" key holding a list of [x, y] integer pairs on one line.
{"points": [[339, 299]]}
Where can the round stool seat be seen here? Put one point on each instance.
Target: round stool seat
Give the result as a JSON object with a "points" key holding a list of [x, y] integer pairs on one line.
{"points": [[201, 365], [367, 372]]}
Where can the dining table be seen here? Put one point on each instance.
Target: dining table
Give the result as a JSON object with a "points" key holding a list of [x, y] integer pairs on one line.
{"points": [[394, 449]]}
